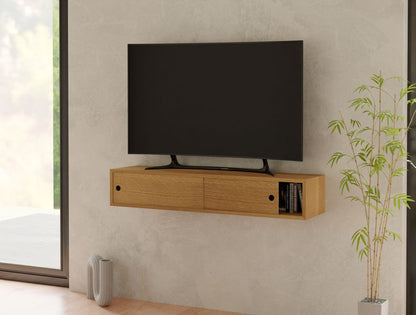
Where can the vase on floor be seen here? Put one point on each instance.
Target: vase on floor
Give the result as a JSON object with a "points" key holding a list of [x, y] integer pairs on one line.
{"points": [[100, 280]]}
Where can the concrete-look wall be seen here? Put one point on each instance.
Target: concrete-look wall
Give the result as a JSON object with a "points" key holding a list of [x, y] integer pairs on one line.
{"points": [[245, 264]]}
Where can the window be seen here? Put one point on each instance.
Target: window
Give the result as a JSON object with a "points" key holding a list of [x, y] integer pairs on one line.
{"points": [[33, 138]]}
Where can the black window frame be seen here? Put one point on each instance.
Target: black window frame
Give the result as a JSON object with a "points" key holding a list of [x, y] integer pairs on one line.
{"points": [[411, 174]]}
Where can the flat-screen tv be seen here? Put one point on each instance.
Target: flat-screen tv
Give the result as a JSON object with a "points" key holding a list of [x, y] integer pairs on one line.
{"points": [[216, 99]]}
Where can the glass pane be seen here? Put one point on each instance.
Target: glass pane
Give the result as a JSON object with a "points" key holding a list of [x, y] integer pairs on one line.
{"points": [[29, 133]]}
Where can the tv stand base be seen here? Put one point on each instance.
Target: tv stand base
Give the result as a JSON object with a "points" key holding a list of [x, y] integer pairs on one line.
{"points": [[174, 164]]}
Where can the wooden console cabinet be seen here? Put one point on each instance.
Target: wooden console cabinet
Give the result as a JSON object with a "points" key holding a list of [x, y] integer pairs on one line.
{"points": [[213, 191]]}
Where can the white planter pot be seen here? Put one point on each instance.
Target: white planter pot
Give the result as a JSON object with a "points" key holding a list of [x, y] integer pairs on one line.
{"points": [[381, 307]]}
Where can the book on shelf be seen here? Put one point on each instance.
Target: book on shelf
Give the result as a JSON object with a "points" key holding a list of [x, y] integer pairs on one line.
{"points": [[296, 199], [292, 198], [282, 197], [300, 195]]}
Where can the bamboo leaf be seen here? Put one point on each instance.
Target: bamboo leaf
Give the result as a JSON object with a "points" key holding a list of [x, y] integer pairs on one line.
{"points": [[361, 89], [355, 198], [362, 253], [397, 78], [385, 212], [402, 198], [357, 141], [399, 171], [393, 146], [394, 235], [385, 115], [337, 125], [359, 237], [369, 113], [362, 130], [407, 90], [360, 103], [390, 131], [335, 158], [355, 123], [377, 79], [411, 101], [378, 163], [380, 238], [362, 156]]}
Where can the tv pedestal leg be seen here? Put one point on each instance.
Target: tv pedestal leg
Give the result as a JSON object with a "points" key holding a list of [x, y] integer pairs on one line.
{"points": [[174, 164]]}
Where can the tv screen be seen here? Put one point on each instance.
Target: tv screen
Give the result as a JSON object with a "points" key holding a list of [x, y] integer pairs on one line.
{"points": [[216, 99]]}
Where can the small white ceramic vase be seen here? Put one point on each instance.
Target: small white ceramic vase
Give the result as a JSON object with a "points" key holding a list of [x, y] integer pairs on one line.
{"points": [[379, 307], [100, 280]]}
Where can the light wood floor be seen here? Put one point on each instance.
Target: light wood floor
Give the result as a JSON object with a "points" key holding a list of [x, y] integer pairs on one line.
{"points": [[26, 298]]}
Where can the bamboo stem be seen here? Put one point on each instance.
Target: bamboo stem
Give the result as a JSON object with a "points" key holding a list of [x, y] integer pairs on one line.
{"points": [[370, 255], [376, 246]]}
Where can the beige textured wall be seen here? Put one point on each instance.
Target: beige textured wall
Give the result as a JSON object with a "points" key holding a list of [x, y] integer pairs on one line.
{"points": [[254, 265]]}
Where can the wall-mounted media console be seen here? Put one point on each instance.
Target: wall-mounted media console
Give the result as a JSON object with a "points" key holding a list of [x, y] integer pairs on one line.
{"points": [[287, 196]]}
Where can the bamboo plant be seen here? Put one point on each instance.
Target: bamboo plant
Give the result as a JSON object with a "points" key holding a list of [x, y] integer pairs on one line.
{"points": [[375, 157]]}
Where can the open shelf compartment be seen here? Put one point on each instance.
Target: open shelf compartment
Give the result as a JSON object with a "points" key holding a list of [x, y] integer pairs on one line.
{"points": [[290, 198]]}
